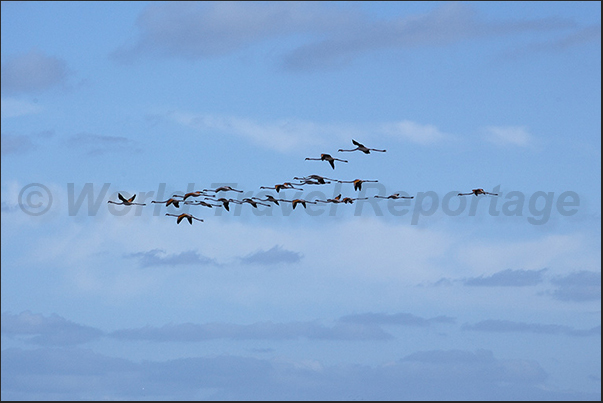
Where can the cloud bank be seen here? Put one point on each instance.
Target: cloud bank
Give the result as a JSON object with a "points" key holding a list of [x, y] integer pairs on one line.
{"points": [[33, 72], [80, 374], [327, 36]]}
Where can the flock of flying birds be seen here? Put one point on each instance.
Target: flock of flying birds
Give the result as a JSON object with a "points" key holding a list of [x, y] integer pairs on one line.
{"points": [[211, 196]]}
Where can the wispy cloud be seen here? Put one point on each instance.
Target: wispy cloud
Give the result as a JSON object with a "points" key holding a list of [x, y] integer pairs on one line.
{"points": [[509, 136], [33, 72], [508, 278], [444, 25], [272, 256], [158, 257], [506, 326], [582, 36], [578, 286], [96, 144], [194, 30], [49, 331]]}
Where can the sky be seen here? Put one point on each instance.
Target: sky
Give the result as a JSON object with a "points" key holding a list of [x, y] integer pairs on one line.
{"points": [[434, 297]]}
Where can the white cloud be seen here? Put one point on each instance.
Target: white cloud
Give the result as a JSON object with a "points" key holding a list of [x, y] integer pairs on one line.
{"points": [[282, 135], [285, 135], [509, 136], [12, 107], [423, 134]]}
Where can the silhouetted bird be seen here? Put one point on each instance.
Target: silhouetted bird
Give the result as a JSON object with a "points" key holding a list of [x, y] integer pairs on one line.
{"points": [[357, 183], [201, 203], [394, 196], [167, 202], [336, 199], [222, 189], [253, 202], [279, 187], [363, 148], [477, 192], [191, 194], [295, 202], [350, 200], [314, 180], [126, 202], [269, 198], [182, 216], [326, 157], [225, 202]]}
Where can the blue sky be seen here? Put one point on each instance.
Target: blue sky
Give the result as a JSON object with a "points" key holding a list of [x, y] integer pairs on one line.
{"points": [[437, 297]]}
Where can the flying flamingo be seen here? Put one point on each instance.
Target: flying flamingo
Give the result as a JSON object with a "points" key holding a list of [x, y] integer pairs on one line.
{"points": [[182, 216], [253, 202], [336, 199], [363, 148], [395, 196], [313, 180], [326, 157], [279, 187], [225, 202], [357, 183], [126, 202], [295, 202], [190, 194], [349, 200], [222, 189], [169, 201], [477, 192], [269, 198], [201, 203]]}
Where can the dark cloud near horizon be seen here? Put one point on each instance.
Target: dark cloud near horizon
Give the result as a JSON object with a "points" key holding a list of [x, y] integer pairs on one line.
{"points": [[158, 257], [81, 374], [334, 35], [578, 286], [508, 278], [506, 326], [47, 331], [33, 72], [272, 256], [190, 332], [402, 319]]}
